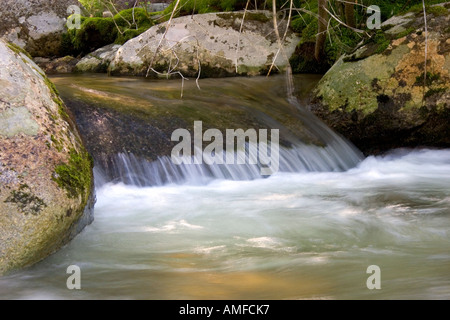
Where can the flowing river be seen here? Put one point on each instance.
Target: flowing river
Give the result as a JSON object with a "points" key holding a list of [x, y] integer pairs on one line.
{"points": [[307, 232]]}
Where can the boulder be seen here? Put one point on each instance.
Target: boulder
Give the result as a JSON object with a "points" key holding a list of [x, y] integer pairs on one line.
{"points": [[99, 60], [57, 66], [378, 96], [35, 25], [46, 183], [211, 43]]}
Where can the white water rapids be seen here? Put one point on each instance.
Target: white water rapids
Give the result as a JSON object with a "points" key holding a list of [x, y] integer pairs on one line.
{"points": [[223, 232], [291, 236]]}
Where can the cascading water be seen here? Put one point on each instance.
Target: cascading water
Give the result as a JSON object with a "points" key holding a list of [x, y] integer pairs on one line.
{"points": [[128, 169], [220, 232], [307, 145]]}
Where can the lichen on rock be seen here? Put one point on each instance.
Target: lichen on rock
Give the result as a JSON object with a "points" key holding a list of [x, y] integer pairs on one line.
{"points": [[378, 97], [37, 138], [210, 44]]}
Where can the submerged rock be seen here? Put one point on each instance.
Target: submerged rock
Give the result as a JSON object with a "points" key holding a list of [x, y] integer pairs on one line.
{"points": [[137, 117], [378, 97], [211, 44], [46, 183], [36, 26]]}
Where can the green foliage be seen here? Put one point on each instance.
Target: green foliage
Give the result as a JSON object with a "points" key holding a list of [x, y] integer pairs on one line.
{"points": [[303, 60], [299, 23], [133, 17], [433, 92], [93, 7], [431, 77], [339, 40], [131, 23], [76, 176], [187, 7]]}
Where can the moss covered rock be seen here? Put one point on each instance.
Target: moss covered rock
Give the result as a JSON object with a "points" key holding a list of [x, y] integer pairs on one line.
{"points": [[45, 172], [97, 32], [211, 44], [378, 96], [36, 25]]}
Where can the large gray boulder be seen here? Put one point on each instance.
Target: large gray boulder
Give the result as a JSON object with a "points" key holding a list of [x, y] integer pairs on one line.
{"points": [[35, 25], [212, 41], [45, 172]]}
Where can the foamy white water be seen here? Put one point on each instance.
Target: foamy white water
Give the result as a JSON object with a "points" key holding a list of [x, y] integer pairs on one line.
{"points": [[290, 236]]}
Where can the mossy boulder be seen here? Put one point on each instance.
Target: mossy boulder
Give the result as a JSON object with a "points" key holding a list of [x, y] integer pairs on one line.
{"points": [[46, 182], [97, 32], [378, 96], [35, 25], [207, 45]]}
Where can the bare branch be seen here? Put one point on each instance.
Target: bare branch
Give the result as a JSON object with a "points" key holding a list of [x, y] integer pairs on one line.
{"points": [[239, 36], [426, 46], [164, 36], [344, 24]]}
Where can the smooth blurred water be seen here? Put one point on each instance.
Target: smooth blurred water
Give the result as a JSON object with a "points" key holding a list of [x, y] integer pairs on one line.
{"points": [[291, 236]]}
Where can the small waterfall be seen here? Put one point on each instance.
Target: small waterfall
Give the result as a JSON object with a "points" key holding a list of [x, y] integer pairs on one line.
{"points": [[136, 124], [131, 170]]}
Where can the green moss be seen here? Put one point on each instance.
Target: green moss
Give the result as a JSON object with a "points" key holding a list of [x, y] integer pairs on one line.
{"points": [[18, 49], [261, 17], [56, 99], [97, 32], [387, 27], [437, 11], [57, 144], [76, 176], [382, 41], [50, 85], [129, 34], [417, 6], [26, 201], [94, 34], [433, 92], [431, 77], [405, 33]]}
